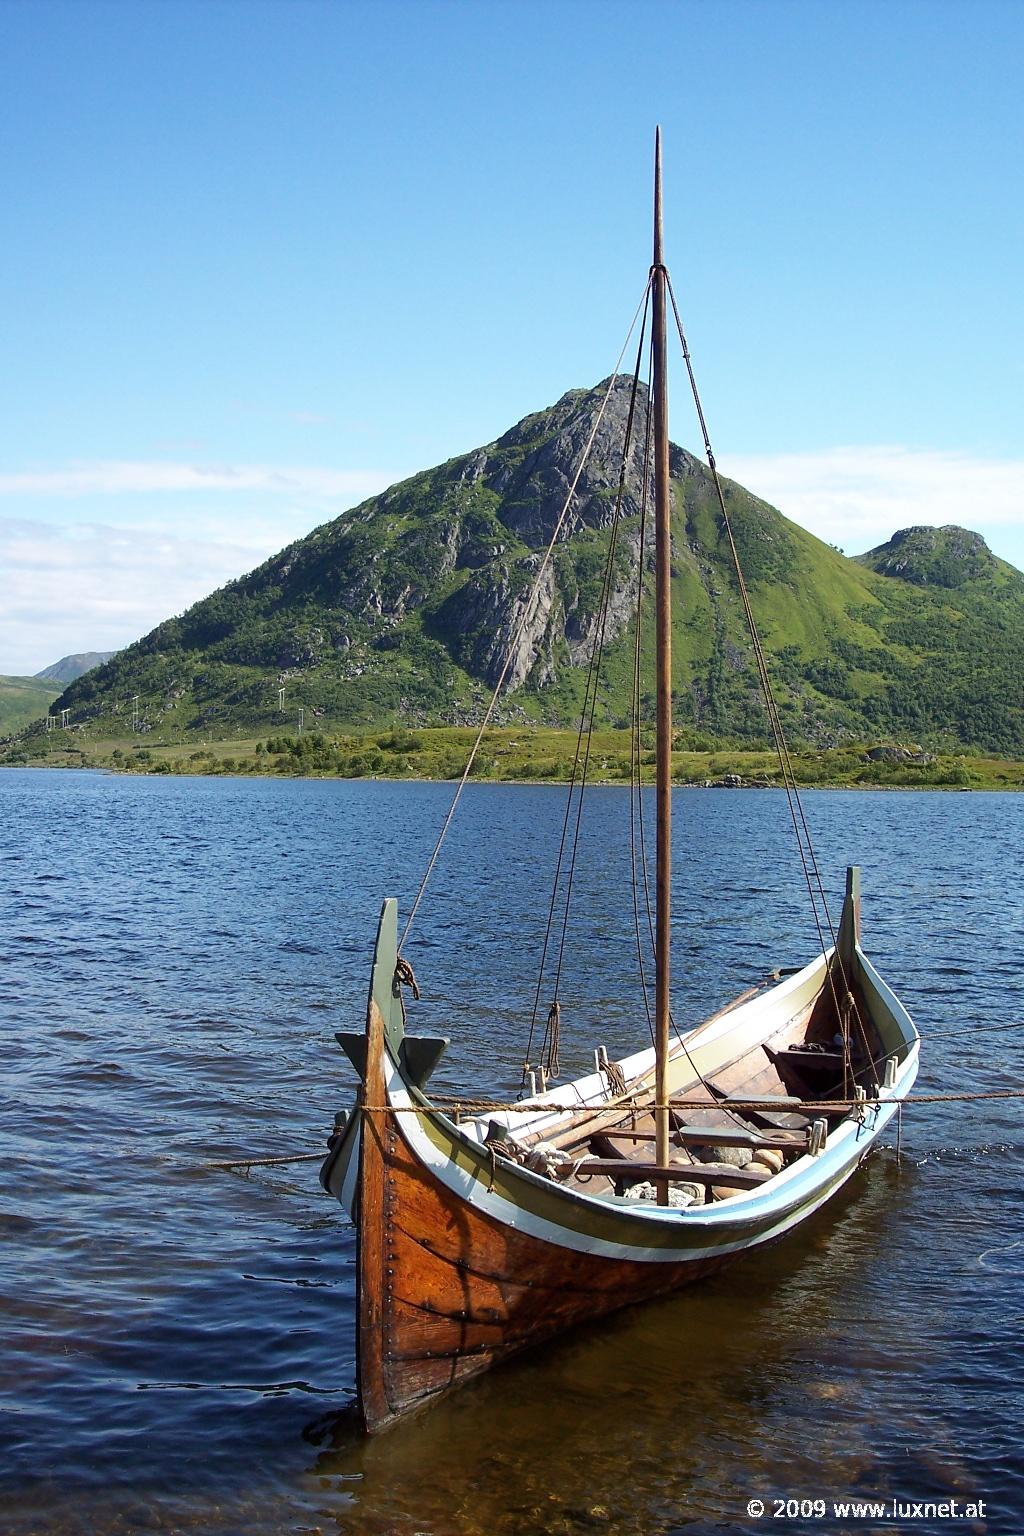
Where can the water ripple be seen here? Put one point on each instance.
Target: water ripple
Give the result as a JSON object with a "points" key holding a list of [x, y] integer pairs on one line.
{"points": [[171, 994]]}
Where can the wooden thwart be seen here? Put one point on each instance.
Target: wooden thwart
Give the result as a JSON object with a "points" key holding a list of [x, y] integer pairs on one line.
{"points": [[623, 1170], [707, 1135]]}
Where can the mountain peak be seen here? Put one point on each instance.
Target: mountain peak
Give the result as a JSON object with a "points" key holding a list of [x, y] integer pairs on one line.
{"points": [[71, 667], [949, 556], [532, 466], [412, 605]]}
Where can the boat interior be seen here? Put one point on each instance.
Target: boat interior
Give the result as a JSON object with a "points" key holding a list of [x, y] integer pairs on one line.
{"points": [[719, 1150]]}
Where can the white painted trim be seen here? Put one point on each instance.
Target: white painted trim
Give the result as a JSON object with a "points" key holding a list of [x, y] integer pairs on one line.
{"points": [[790, 1195]]}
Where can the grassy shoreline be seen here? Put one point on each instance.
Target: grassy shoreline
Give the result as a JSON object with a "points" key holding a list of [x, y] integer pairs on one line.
{"points": [[516, 754]]}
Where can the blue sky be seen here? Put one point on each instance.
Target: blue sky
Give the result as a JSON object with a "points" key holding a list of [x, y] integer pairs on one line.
{"points": [[260, 259]]}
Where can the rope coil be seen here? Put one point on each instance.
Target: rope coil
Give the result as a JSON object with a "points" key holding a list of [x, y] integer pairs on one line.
{"points": [[553, 1039]]}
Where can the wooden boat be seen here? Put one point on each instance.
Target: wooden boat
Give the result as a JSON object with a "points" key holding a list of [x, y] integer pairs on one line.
{"points": [[485, 1229]]}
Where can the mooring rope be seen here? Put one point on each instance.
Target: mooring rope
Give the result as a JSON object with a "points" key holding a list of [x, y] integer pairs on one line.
{"points": [[456, 1108], [488, 1106], [970, 1029], [269, 1162]]}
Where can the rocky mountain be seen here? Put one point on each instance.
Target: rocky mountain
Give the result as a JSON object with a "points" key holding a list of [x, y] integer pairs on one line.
{"points": [[404, 607], [949, 557], [71, 667]]}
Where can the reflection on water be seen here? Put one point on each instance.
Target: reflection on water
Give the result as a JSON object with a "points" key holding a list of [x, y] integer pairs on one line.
{"points": [[776, 1377], [178, 1343]]}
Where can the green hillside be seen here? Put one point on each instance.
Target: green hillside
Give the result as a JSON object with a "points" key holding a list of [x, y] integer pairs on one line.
{"points": [[22, 700], [402, 609]]}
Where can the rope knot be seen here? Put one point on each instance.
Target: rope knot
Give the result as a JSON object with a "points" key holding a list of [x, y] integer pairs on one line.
{"points": [[616, 1077], [405, 976]]}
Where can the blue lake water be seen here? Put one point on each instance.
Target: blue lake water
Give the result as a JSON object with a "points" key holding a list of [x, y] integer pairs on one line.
{"points": [[177, 1342]]}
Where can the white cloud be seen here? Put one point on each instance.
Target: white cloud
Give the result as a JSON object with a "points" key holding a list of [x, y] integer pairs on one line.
{"points": [[91, 569], [117, 477], [96, 587], [73, 583], [859, 497]]}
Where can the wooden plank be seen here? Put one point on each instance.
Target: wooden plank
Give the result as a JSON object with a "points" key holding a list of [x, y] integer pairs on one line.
{"points": [[718, 1136], [621, 1170], [745, 1069], [631, 1146], [751, 1080], [583, 1126], [781, 1120], [463, 1290], [703, 1117], [754, 1103], [713, 1136]]}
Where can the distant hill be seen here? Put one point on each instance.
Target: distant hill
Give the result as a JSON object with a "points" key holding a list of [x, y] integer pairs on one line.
{"points": [[949, 557], [22, 700], [402, 609], [71, 667]]}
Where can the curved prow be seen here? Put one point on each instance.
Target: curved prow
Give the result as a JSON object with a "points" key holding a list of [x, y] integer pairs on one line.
{"points": [[416, 1055], [383, 1014], [848, 939], [385, 995], [384, 1045], [385, 991]]}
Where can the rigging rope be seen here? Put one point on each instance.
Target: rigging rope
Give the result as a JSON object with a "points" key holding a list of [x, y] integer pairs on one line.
{"points": [[636, 811], [523, 621], [597, 656], [805, 844], [636, 815], [549, 1048]]}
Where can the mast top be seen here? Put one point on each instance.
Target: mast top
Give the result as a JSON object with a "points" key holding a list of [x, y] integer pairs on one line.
{"points": [[663, 656], [658, 258]]}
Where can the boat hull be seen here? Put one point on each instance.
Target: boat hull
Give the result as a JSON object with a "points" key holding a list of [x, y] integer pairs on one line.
{"points": [[462, 1289], [466, 1258]]}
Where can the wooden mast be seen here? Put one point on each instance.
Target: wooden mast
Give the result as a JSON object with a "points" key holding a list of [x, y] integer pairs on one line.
{"points": [[663, 608]]}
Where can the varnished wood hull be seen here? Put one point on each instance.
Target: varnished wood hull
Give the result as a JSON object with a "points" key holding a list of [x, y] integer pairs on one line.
{"points": [[465, 1259], [461, 1290]]}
